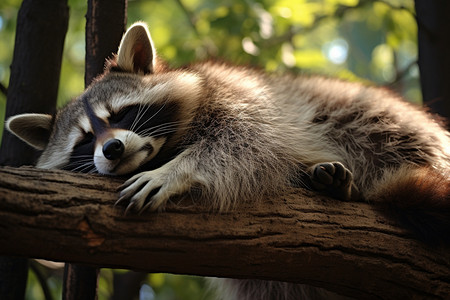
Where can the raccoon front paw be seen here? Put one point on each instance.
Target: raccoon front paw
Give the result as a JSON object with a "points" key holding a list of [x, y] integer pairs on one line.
{"points": [[334, 179], [149, 190]]}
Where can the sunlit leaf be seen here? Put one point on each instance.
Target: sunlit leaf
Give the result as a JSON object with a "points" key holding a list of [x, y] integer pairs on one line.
{"points": [[309, 58]]}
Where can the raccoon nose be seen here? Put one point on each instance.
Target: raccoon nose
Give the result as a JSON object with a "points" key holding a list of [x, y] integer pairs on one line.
{"points": [[113, 149]]}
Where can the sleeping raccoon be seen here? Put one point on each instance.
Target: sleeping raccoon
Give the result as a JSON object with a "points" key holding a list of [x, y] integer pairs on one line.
{"points": [[237, 134]]}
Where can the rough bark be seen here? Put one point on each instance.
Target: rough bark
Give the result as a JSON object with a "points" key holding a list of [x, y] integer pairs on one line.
{"points": [[434, 61], [345, 247], [33, 87], [105, 25]]}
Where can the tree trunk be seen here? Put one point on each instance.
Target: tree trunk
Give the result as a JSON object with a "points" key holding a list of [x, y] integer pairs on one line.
{"points": [[105, 25], [434, 58], [13, 277], [33, 87], [345, 247], [80, 282], [35, 70]]}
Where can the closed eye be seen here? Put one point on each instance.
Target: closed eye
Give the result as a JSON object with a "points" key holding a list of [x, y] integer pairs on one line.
{"points": [[87, 139], [120, 115]]}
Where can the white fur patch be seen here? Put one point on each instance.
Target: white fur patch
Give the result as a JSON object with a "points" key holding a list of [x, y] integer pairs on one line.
{"points": [[61, 152], [84, 123], [101, 111], [184, 88], [132, 158]]}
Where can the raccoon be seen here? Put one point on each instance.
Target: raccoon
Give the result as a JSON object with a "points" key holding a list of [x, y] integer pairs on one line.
{"points": [[227, 134]]}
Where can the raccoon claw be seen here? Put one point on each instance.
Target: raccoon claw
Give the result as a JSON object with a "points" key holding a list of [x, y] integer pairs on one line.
{"points": [[138, 189], [334, 179], [130, 207], [151, 190], [122, 201]]}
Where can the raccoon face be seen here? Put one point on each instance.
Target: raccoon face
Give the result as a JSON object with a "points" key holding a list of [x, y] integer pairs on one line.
{"points": [[118, 140], [136, 111]]}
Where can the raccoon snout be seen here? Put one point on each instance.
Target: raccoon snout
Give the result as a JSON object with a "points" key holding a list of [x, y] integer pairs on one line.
{"points": [[113, 149]]}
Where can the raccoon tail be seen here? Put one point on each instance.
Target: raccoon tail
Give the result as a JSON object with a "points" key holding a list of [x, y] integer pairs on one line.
{"points": [[419, 199]]}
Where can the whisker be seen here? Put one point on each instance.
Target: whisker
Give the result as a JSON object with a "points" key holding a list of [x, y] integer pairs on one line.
{"points": [[82, 156], [139, 115], [165, 124], [93, 170], [82, 167], [159, 127], [164, 104], [136, 120], [166, 130], [90, 156], [163, 133], [80, 162], [87, 169]]}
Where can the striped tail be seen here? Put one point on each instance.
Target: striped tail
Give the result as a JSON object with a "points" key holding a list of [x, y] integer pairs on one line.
{"points": [[419, 199]]}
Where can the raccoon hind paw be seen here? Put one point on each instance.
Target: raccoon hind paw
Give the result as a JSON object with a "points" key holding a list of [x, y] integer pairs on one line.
{"points": [[335, 180]]}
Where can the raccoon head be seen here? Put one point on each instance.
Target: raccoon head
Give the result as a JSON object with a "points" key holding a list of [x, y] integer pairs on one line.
{"points": [[136, 112]]}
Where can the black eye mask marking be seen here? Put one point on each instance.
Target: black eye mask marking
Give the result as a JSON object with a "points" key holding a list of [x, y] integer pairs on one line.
{"points": [[82, 156], [97, 124], [124, 113], [146, 119], [85, 146], [123, 118]]}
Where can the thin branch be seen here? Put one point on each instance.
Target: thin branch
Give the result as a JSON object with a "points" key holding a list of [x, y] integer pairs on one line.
{"points": [[3, 89], [400, 74], [190, 16], [208, 45], [42, 279]]}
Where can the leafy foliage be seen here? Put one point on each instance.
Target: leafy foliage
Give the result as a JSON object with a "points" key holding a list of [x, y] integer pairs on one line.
{"points": [[362, 40]]}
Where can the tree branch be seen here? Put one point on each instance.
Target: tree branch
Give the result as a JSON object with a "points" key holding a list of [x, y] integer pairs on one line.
{"points": [[345, 247], [3, 89], [42, 280], [192, 19], [400, 74]]}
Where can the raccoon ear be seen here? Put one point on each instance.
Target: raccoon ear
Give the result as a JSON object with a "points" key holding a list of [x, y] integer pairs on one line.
{"points": [[136, 51], [33, 129]]}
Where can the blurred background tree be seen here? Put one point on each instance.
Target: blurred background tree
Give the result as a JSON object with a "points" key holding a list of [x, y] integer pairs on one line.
{"points": [[360, 40]]}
